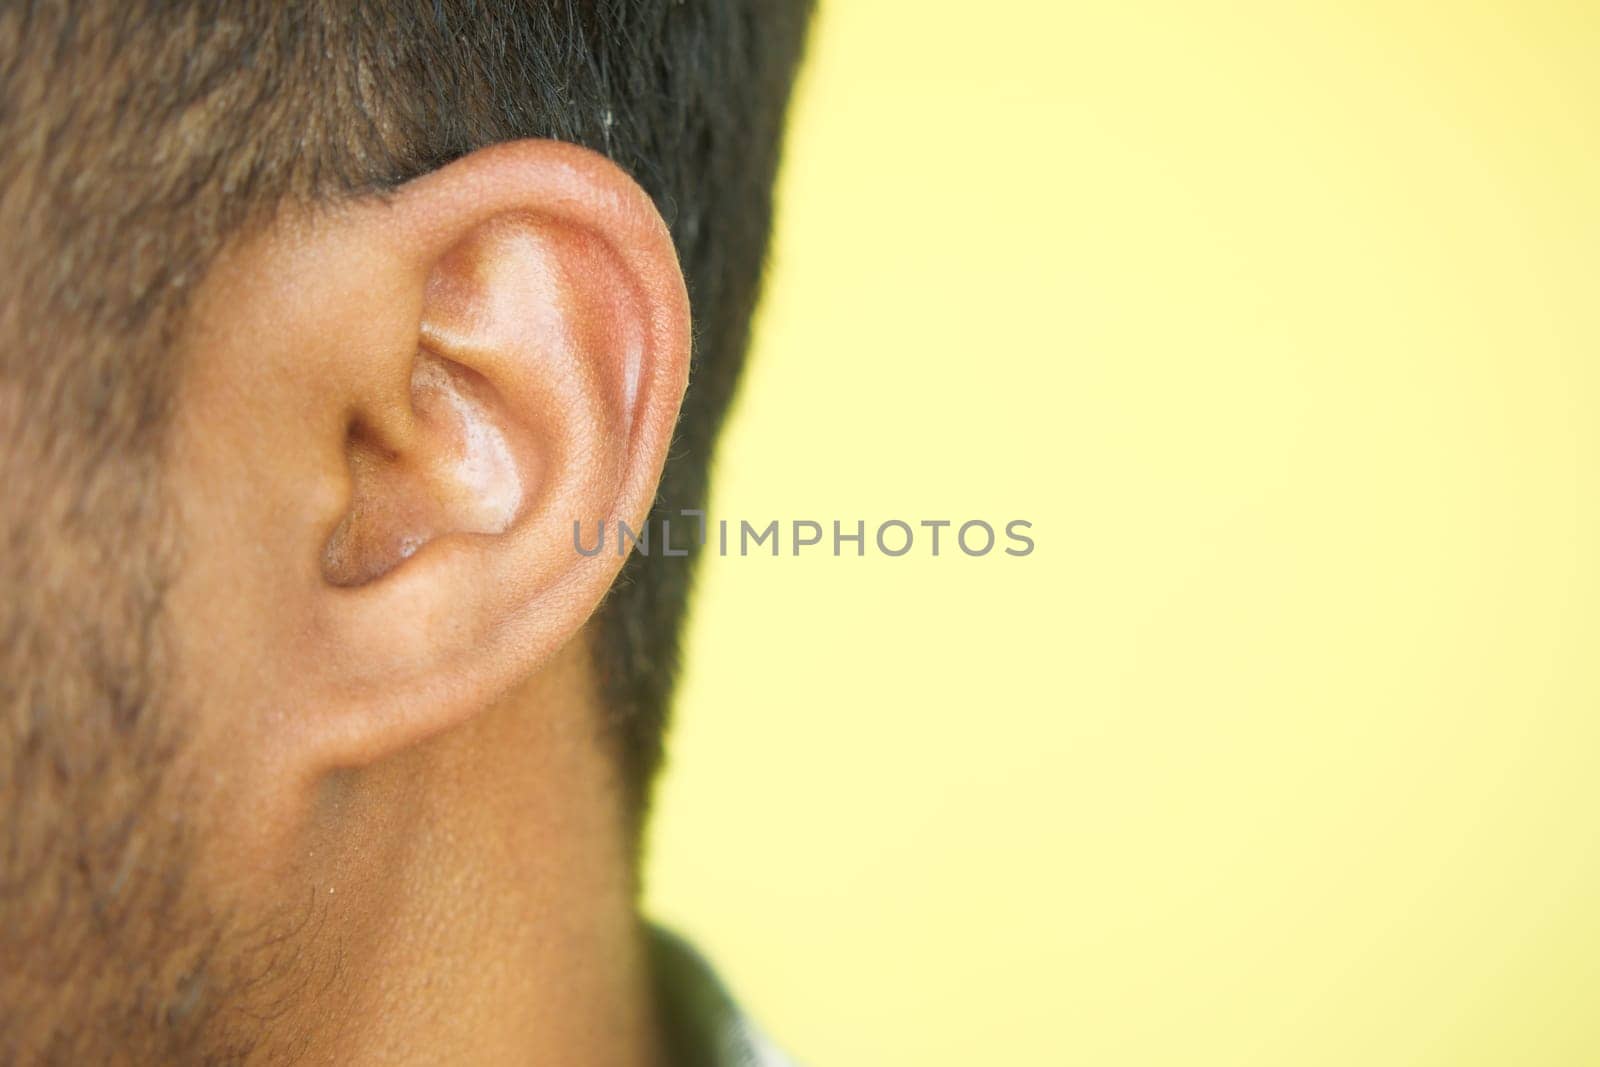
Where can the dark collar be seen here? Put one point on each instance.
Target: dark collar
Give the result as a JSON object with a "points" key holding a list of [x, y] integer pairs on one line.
{"points": [[703, 1025]]}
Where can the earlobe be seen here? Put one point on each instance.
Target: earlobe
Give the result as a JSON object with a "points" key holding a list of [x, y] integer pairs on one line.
{"points": [[510, 363]]}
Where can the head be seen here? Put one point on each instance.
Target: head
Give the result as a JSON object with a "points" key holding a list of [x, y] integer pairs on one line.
{"points": [[321, 326]]}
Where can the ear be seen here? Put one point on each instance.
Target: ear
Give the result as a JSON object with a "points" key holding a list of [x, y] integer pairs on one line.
{"points": [[391, 415]]}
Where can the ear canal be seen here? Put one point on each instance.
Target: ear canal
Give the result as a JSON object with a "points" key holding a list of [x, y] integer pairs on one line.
{"points": [[463, 468]]}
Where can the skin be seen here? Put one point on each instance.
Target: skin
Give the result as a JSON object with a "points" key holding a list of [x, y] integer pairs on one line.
{"points": [[390, 415]]}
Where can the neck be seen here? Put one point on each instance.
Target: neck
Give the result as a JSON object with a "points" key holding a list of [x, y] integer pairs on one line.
{"points": [[480, 890]]}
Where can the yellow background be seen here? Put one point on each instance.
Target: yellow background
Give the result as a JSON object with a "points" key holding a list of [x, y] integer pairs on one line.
{"points": [[1281, 323]]}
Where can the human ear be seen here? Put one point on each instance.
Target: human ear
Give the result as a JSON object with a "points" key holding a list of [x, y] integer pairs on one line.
{"points": [[392, 412]]}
